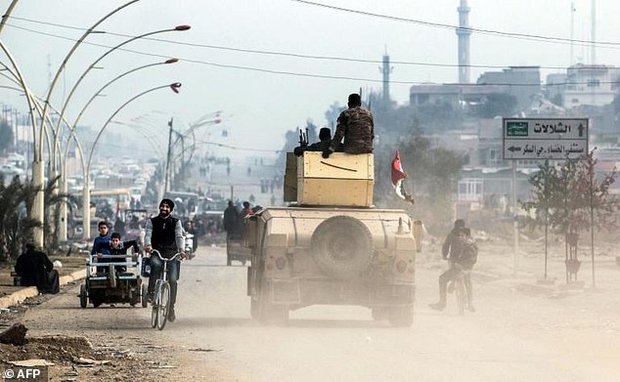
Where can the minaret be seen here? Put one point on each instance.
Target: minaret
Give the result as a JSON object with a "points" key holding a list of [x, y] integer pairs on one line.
{"points": [[386, 69], [463, 32]]}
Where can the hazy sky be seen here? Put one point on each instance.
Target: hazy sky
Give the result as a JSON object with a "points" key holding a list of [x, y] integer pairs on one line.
{"points": [[260, 106]]}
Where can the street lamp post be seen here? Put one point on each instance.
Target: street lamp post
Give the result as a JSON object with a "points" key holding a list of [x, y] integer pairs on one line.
{"points": [[62, 232], [86, 194], [37, 209], [94, 64]]}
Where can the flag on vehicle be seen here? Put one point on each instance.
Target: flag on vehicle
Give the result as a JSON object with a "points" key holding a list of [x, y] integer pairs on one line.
{"points": [[398, 177]]}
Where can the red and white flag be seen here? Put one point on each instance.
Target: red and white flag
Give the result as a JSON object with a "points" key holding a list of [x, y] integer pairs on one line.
{"points": [[398, 177]]}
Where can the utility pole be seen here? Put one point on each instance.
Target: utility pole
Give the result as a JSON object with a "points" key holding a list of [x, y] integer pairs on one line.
{"points": [[168, 156]]}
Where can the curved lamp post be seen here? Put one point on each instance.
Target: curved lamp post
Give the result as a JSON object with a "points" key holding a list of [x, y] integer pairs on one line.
{"points": [[37, 210], [86, 195], [7, 14], [94, 64], [62, 232]]}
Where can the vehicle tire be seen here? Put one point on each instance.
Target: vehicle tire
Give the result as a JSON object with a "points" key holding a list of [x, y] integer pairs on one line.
{"points": [[254, 308], [134, 296], [83, 296], [380, 314], [145, 291], [342, 247], [401, 316], [270, 313], [163, 306], [460, 294]]}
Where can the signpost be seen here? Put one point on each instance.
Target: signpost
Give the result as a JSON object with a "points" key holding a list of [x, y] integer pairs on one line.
{"points": [[544, 138], [540, 139]]}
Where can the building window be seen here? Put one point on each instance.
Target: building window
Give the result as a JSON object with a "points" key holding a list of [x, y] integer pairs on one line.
{"points": [[575, 100], [470, 189], [593, 83]]}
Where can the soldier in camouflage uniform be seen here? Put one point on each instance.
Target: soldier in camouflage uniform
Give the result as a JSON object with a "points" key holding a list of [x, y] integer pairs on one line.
{"points": [[356, 125]]}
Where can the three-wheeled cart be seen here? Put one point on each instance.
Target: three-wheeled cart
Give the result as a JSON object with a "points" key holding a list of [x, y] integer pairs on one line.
{"points": [[113, 280]]}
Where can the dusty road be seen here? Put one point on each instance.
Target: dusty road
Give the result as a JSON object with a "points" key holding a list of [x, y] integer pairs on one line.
{"points": [[520, 331]]}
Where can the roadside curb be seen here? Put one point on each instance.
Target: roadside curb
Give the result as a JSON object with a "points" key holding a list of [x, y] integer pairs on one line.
{"points": [[20, 295]]}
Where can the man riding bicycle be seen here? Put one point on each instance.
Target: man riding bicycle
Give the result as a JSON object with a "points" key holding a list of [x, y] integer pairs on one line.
{"points": [[462, 255], [165, 234]]}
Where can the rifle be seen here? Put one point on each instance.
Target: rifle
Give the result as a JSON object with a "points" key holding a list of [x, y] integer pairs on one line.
{"points": [[303, 139]]}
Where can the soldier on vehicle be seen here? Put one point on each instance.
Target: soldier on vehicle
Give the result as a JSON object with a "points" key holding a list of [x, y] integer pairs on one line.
{"points": [[356, 126], [325, 140], [165, 234]]}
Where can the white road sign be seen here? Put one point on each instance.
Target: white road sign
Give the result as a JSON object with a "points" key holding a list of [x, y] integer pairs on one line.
{"points": [[544, 138]]}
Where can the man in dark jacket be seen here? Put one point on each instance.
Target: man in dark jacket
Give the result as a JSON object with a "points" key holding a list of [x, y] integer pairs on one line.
{"points": [[450, 242], [35, 269], [165, 234], [231, 217], [356, 126], [463, 255]]}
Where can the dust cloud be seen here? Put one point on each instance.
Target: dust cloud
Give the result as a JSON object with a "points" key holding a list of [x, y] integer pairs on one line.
{"points": [[523, 328]]}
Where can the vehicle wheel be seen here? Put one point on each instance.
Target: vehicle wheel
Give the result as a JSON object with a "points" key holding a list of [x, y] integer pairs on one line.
{"points": [[163, 306], [401, 317], [145, 291], [380, 314], [270, 313], [254, 308], [342, 247], [460, 294], [83, 296], [134, 296]]}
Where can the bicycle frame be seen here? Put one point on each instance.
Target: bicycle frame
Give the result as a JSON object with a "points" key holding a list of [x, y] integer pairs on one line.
{"points": [[159, 310]]}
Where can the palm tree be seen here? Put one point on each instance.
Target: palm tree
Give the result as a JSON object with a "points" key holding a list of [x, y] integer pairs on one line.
{"points": [[15, 226]]}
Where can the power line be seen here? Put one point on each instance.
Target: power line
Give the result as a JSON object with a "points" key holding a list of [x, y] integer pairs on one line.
{"points": [[299, 74], [526, 36], [284, 54]]}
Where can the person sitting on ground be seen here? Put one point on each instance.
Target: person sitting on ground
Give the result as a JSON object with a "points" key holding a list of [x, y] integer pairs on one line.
{"points": [[35, 269], [325, 137]]}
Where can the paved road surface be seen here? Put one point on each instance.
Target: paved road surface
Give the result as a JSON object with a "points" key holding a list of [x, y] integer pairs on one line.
{"points": [[517, 333]]}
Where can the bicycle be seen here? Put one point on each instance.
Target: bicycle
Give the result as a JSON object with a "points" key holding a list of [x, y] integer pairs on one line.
{"points": [[161, 299], [457, 285]]}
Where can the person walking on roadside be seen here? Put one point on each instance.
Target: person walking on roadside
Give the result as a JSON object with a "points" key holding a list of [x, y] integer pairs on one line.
{"points": [[165, 234]]}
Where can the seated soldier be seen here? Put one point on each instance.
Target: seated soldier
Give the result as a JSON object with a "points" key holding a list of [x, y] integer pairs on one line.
{"points": [[325, 136]]}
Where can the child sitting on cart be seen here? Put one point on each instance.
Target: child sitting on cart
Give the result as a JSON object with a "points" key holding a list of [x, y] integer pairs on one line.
{"points": [[116, 247]]}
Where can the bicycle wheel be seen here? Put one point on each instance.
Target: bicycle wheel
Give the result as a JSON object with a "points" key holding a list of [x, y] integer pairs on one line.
{"points": [[155, 304], [164, 306], [459, 290]]}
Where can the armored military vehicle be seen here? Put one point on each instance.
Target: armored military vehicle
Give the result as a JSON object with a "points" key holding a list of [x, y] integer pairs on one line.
{"points": [[330, 245]]}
